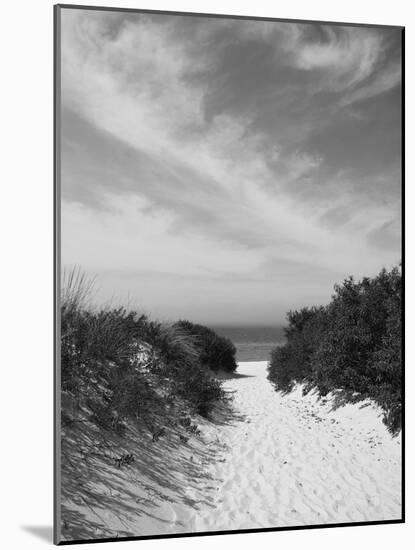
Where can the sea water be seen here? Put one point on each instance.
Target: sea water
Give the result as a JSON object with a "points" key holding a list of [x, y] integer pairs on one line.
{"points": [[253, 343]]}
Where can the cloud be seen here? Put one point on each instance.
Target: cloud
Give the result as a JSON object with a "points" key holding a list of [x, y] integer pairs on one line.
{"points": [[387, 236], [349, 54], [385, 81], [349, 60]]}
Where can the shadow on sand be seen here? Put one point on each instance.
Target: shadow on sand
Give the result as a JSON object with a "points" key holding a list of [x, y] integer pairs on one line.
{"points": [[97, 495], [347, 397], [222, 375]]}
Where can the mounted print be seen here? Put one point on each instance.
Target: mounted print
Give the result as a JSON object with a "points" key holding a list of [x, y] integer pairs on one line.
{"points": [[228, 274]]}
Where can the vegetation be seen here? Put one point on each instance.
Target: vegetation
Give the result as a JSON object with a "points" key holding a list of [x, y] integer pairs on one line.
{"points": [[120, 365], [215, 352], [353, 343]]}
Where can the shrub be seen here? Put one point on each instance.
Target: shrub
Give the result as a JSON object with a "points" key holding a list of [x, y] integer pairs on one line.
{"points": [[103, 363], [215, 352], [178, 361], [292, 363], [353, 343]]}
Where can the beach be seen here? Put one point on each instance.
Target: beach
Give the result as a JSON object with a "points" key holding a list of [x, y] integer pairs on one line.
{"points": [[295, 460], [273, 460]]}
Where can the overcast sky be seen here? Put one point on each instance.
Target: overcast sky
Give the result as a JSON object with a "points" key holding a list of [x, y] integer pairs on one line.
{"points": [[226, 171]]}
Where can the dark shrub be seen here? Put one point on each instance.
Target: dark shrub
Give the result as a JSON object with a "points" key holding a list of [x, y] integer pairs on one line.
{"points": [[215, 352], [178, 361], [123, 366], [354, 343], [292, 362]]}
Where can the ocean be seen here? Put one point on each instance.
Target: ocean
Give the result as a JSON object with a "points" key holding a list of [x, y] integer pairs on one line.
{"points": [[252, 343]]}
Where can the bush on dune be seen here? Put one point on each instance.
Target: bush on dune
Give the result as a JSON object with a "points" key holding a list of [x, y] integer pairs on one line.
{"points": [[291, 363], [177, 360], [215, 352], [353, 343], [122, 365]]}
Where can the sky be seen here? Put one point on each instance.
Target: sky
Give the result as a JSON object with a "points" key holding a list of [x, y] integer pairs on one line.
{"points": [[223, 170]]}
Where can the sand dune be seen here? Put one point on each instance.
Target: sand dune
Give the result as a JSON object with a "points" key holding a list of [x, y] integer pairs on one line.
{"points": [[277, 460]]}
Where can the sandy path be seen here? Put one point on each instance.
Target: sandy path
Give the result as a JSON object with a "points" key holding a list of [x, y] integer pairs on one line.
{"points": [[294, 460], [274, 460]]}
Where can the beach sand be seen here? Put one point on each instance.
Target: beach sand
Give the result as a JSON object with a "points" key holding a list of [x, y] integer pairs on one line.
{"points": [[295, 460], [278, 460]]}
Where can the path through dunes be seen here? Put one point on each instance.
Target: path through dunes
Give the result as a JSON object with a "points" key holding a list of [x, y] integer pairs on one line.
{"points": [[272, 460], [293, 460]]}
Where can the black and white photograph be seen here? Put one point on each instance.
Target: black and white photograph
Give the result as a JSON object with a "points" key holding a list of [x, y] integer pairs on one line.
{"points": [[229, 288]]}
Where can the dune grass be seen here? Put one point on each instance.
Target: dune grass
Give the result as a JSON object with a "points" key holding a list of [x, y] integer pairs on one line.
{"points": [[119, 365]]}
